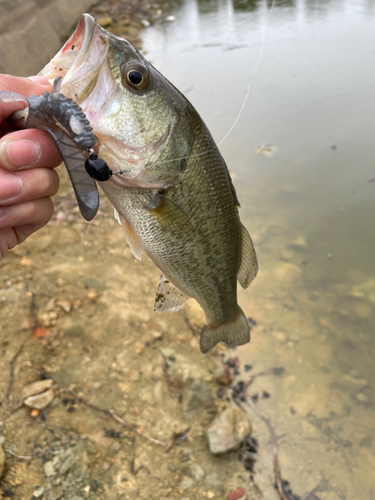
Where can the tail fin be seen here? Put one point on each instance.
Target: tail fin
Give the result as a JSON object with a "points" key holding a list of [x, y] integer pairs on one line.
{"points": [[236, 332]]}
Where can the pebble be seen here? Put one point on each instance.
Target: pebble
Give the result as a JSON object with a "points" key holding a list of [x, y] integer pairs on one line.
{"points": [[49, 469], [210, 494], [227, 430], [288, 272], [40, 401], [34, 413], [223, 375], [38, 492], [114, 448], [197, 472], [56, 493], [65, 305], [186, 483], [105, 21], [238, 493], [198, 398], [36, 387]]}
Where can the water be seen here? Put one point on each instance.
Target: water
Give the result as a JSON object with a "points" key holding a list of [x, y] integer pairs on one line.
{"points": [[310, 209]]}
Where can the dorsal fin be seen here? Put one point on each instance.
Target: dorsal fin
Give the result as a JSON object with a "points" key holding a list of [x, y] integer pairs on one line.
{"points": [[168, 297], [249, 264], [130, 236]]}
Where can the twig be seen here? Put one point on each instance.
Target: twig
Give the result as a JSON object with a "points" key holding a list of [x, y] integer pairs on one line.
{"points": [[166, 375], [113, 416], [275, 448], [193, 330], [175, 437], [133, 469], [38, 453], [11, 372]]}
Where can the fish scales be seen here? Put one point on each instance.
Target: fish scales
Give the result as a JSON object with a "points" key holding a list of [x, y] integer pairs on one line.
{"points": [[173, 202]]}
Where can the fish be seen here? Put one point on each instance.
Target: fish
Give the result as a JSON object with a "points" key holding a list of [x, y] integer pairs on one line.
{"points": [[173, 194]]}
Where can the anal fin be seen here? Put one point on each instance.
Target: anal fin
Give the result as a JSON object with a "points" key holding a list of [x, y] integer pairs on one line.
{"points": [[130, 236], [168, 297], [249, 263]]}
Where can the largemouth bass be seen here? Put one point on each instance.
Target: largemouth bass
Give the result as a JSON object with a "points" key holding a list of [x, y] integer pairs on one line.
{"points": [[175, 199]]}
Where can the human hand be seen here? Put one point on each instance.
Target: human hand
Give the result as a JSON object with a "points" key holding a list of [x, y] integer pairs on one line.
{"points": [[27, 159]]}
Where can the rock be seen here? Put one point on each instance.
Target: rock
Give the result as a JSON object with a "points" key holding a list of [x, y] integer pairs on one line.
{"points": [[38, 492], [198, 398], [194, 314], [115, 447], [211, 494], [49, 469], [224, 376], [40, 401], [36, 387], [197, 471], [56, 493], [299, 243], [288, 272], [227, 430], [2, 461], [65, 305], [186, 483], [238, 493]]}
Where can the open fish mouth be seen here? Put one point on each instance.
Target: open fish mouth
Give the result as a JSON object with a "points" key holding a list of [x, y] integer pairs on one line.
{"points": [[80, 59]]}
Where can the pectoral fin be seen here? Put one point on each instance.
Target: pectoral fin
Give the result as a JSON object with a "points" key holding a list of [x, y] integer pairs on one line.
{"points": [[168, 297], [249, 264], [130, 236], [170, 216]]}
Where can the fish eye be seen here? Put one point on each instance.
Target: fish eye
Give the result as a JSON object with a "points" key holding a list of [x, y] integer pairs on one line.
{"points": [[136, 77]]}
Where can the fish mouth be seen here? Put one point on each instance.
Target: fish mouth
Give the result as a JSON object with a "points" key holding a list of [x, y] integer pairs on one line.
{"points": [[80, 59]]}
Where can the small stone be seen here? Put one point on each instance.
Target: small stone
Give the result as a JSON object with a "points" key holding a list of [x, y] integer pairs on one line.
{"points": [[49, 469], [238, 493], [211, 494], [288, 272], [227, 430], [106, 466], [92, 294], [198, 398], [299, 243], [40, 401], [36, 387], [65, 305], [38, 492], [186, 483], [56, 493], [34, 413], [197, 471], [362, 397], [223, 375], [25, 262]]}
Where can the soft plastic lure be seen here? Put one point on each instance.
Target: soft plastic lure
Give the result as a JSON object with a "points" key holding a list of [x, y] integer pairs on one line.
{"points": [[69, 128]]}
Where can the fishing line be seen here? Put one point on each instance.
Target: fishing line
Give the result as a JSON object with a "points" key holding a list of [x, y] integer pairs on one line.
{"points": [[244, 101]]}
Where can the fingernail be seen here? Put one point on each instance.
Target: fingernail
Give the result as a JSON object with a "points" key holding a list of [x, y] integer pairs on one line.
{"points": [[19, 153], [10, 186], [42, 80]]}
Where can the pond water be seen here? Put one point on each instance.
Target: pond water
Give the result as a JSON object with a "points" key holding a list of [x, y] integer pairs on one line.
{"points": [[309, 203]]}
